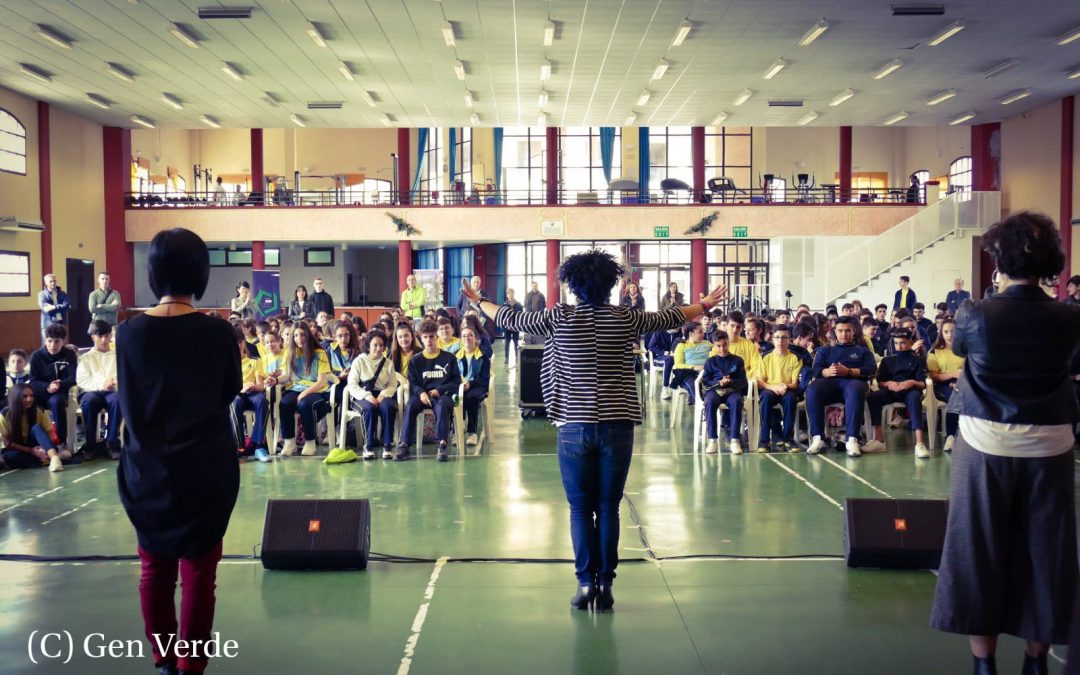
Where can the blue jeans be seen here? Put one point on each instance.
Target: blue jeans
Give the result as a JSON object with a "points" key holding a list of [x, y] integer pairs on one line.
{"points": [[372, 415], [789, 403], [16, 459], [713, 400], [92, 403], [827, 391], [258, 403], [56, 404], [882, 397], [594, 460], [312, 408], [444, 411]]}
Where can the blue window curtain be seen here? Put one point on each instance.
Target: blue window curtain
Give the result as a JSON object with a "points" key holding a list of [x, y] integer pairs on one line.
{"points": [[427, 259], [643, 165], [421, 151], [498, 162], [453, 157], [607, 150], [459, 264]]}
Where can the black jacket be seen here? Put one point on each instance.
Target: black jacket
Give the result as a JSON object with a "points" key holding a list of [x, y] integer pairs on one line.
{"points": [[321, 301], [1017, 344]]}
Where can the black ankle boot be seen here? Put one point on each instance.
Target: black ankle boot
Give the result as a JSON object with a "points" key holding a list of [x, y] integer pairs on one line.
{"points": [[586, 596], [985, 666], [1035, 665], [606, 600]]}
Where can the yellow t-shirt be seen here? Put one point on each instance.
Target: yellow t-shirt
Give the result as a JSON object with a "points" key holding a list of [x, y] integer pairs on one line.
{"points": [[271, 363], [944, 361], [453, 345], [748, 352], [40, 417], [250, 370], [781, 369], [306, 374]]}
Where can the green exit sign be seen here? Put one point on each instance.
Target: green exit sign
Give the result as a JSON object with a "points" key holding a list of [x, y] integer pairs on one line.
{"points": [[740, 232], [662, 232]]}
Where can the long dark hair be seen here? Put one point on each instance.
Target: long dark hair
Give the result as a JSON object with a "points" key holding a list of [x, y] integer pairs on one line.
{"points": [[14, 415], [354, 341], [299, 288], [395, 349], [940, 342], [307, 355]]}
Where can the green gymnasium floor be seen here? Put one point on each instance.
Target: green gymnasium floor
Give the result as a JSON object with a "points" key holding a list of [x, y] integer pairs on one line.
{"points": [[702, 615]]}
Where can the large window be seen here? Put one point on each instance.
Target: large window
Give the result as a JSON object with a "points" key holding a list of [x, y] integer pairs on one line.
{"points": [[12, 144], [744, 267], [729, 153], [960, 175], [463, 173], [242, 257], [14, 273], [670, 156], [524, 150], [581, 166], [432, 172], [369, 191], [523, 264]]}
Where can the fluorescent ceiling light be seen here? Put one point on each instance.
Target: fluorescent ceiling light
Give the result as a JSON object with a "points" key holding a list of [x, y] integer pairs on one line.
{"points": [[210, 122], [183, 36], [542, 99], [1000, 68], [841, 97], [35, 72], [545, 70], [890, 67], [448, 34], [1073, 74], [962, 118], [120, 73], [941, 97], [630, 120], [386, 120], [459, 70], [719, 119], [900, 116], [468, 99], [368, 98], [814, 33], [549, 33], [946, 33], [100, 102], [542, 120], [775, 68], [49, 35], [173, 101], [346, 71], [1015, 96], [684, 30], [743, 97], [474, 119], [1072, 35], [315, 34], [269, 99], [660, 69], [297, 120], [231, 71], [807, 118], [644, 97], [142, 121]]}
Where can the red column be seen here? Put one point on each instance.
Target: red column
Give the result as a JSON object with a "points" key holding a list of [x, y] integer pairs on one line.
{"points": [[479, 263], [258, 255], [404, 179], [45, 186], [985, 158], [404, 265], [697, 152], [554, 259], [1065, 217], [119, 253], [845, 164], [551, 165], [699, 269], [258, 183]]}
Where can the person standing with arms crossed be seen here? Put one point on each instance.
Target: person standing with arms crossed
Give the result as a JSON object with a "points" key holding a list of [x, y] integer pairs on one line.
{"points": [[104, 302], [413, 299]]}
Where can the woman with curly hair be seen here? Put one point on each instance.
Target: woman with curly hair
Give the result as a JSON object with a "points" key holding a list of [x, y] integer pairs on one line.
{"points": [[1010, 564], [587, 375]]}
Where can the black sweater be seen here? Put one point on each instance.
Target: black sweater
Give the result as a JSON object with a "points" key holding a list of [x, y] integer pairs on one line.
{"points": [[46, 367], [439, 373]]}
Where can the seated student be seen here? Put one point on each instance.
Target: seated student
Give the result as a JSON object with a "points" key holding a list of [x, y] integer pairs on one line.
{"points": [[870, 337], [252, 396], [662, 347], [756, 333], [847, 309], [17, 372], [881, 314], [52, 375], [309, 392], [840, 375], [360, 328], [286, 335], [689, 358], [275, 367], [249, 327], [261, 329], [901, 379], [945, 368], [856, 307], [723, 381], [405, 347], [433, 380], [802, 345], [926, 326], [344, 350], [27, 433], [921, 342], [96, 377], [471, 319], [372, 384], [475, 367], [446, 340], [741, 347], [779, 383]]}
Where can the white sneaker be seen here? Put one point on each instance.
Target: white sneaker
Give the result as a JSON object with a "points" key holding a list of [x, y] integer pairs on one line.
{"points": [[665, 394], [803, 437], [736, 447], [712, 447], [816, 446], [387, 454], [874, 446], [55, 464], [950, 441], [852, 446], [761, 449], [369, 453], [289, 448], [309, 448], [472, 439], [921, 451]]}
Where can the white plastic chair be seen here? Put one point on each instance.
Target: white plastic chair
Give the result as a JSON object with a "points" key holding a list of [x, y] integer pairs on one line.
{"points": [[749, 413], [935, 414], [350, 415], [487, 413]]}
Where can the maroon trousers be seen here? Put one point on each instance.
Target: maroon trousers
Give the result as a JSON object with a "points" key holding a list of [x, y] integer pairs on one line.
{"points": [[157, 597]]}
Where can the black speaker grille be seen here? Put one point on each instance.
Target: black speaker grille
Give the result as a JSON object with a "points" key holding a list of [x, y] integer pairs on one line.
{"points": [[301, 533]]}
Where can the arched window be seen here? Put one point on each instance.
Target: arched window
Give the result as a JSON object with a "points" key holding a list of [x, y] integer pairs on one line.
{"points": [[960, 175], [12, 144], [923, 175]]}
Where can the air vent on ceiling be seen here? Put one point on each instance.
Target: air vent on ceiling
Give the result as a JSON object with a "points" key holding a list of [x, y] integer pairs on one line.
{"points": [[324, 105], [786, 103], [224, 12], [918, 10], [13, 224]]}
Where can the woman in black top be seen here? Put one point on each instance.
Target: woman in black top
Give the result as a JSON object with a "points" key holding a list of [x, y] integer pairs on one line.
{"points": [[301, 306], [633, 298], [178, 472]]}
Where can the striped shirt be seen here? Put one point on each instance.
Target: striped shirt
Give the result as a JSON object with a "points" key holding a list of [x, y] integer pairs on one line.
{"points": [[587, 373]]}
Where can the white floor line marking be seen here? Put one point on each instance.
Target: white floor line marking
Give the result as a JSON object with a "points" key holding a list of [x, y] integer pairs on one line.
{"points": [[421, 616], [89, 475], [806, 482], [68, 513], [8, 473], [30, 499], [856, 477]]}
